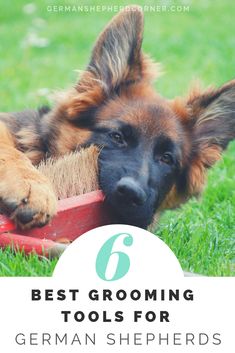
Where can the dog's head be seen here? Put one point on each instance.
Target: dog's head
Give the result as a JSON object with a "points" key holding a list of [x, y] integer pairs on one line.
{"points": [[154, 153]]}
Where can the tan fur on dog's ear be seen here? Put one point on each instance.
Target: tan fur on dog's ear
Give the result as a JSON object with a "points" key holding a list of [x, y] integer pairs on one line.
{"points": [[116, 61], [209, 121], [117, 57]]}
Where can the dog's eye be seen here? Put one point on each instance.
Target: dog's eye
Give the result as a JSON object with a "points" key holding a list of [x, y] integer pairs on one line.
{"points": [[167, 158], [117, 137]]}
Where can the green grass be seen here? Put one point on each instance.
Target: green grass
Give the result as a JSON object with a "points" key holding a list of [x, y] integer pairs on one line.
{"points": [[198, 44], [18, 264], [202, 232]]}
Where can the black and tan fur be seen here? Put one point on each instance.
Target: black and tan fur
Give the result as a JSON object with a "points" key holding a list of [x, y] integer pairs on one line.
{"points": [[167, 145]]}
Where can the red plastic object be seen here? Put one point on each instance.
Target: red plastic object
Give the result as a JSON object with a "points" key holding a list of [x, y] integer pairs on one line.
{"points": [[76, 215], [44, 247]]}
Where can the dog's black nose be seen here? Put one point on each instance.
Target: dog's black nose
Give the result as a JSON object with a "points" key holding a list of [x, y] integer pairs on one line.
{"points": [[128, 191]]}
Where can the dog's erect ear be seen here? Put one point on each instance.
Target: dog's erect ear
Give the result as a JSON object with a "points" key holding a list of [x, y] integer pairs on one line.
{"points": [[116, 62], [209, 119], [213, 114], [117, 57]]}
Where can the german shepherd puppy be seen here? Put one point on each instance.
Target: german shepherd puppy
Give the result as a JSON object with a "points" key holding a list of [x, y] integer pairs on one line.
{"points": [[154, 153]]}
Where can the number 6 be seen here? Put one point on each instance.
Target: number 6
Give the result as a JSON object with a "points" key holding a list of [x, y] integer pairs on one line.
{"points": [[105, 254]]}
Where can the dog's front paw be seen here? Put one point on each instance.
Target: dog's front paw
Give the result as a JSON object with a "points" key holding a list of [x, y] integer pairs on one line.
{"points": [[29, 200]]}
